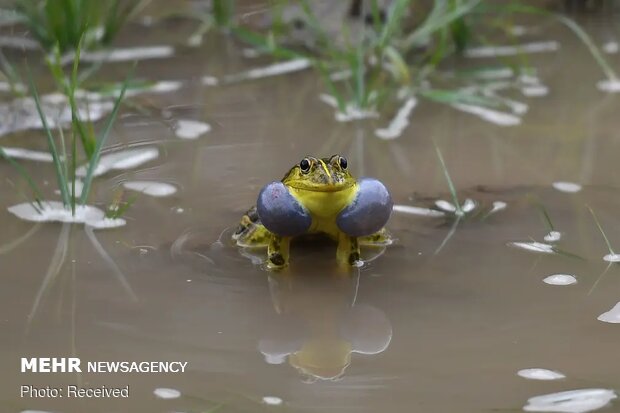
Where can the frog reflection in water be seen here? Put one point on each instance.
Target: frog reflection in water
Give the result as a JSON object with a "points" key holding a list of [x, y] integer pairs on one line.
{"points": [[317, 196], [319, 325]]}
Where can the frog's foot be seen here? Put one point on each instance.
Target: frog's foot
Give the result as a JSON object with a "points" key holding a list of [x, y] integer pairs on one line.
{"points": [[380, 238], [348, 252], [277, 252], [369, 211], [280, 212], [251, 233]]}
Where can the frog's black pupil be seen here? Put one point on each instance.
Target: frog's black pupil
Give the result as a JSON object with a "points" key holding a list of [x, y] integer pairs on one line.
{"points": [[343, 163], [304, 165]]}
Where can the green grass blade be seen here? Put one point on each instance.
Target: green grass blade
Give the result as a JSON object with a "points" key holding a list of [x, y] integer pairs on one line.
{"points": [[455, 198], [600, 228], [24, 174], [92, 165], [58, 167]]}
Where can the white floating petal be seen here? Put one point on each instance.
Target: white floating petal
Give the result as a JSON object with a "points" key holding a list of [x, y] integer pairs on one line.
{"points": [[611, 47], [612, 257], [156, 189], [489, 115], [553, 236], [79, 185], [498, 206], [191, 129], [535, 90], [54, 211], [126, 159], [400, 121], [534, 246], [28, 154], [427, 212], [493, 51], [468, 206], [609, 85], [573, 401], [445, 205], [611, 316], [272, 400], [107, 223], [166, 393], [560, 279], [540, 374], [275, 69], [128, 54], [570, 187]]}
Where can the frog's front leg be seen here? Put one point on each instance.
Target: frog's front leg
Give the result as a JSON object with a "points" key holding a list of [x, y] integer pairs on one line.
{"points": [[348, 251], [284, 217], [369, 212]]}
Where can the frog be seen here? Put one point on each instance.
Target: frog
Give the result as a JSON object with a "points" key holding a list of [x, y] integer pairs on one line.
{"points": [[317, 196]]}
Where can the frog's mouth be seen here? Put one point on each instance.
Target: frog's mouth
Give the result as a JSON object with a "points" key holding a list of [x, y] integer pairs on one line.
{"points": [[321, 187]]}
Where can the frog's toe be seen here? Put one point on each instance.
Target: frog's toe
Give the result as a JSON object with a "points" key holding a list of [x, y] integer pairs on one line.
{"points": [[280, 212], [369, 211]]}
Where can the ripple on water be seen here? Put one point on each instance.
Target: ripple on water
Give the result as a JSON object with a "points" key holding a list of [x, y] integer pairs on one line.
{"points": [[611, 316], [560, 279], [540, 374], [166, 393], [572, 401]]}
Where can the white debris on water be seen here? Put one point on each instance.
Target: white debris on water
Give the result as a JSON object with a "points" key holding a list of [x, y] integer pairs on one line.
{"points": [[498, 206], [190, 129], [609, 85], [572, 401], [426, 212], [27, 154], [570, 187], [494, 51], [445, 205], [611, 316], [553, 236], [489, 115], [612, 258], [340, 75], [275, 69], [166, 393], [8, 87], [560, 279], [517, 30], [535, 90], [494, 73], [107, 223], [540, 374], [120, 160], [611, 47], [21, 113], [352, 112], [468, 206], [209, 81], [399, 122], [272, 400], [55, 211], [128, 54], [534, 247], [152, 188], [79, 185]]}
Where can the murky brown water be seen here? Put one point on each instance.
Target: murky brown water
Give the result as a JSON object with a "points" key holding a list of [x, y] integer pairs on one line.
{"points": [[410, 331]]}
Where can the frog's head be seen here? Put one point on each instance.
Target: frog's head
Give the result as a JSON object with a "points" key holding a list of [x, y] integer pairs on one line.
{"points": [[320, 175]]}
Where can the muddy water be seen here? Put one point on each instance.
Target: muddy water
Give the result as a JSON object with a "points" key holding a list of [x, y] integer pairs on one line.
{"points": [[415, 329]]}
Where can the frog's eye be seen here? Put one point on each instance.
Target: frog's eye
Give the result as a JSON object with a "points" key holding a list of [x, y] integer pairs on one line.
{"points": [[304, 165], [342, 161]]}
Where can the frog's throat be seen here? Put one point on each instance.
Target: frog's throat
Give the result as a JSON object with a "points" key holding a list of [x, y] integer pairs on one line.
{"points": [[325, 204]]}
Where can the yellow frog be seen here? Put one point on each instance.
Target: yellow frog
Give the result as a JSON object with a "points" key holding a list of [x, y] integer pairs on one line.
{"points": [[317, 196]]}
